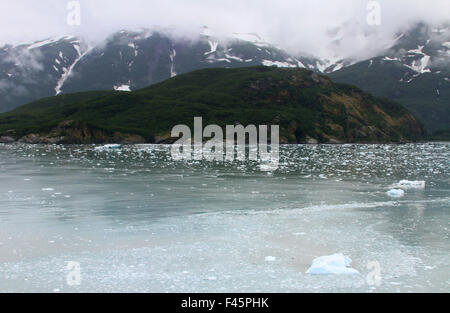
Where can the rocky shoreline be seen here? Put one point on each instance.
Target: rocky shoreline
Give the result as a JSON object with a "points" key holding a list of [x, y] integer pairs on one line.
{"points": [[75, 132]]}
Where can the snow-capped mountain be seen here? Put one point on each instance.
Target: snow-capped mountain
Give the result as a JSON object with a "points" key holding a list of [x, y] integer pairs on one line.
{"points": [[424, 50], [36, 70], [128, 60], [415, 71], [133, 60]]}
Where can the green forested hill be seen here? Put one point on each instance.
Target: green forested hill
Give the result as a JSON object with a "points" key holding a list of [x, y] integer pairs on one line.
{"points": [[307, 106]]}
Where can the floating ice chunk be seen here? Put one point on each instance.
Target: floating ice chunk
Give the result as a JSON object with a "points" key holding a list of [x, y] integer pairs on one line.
{"points": [[109, 147], [269, 167], [408, 184], [269, 164], [270, 259], [48, 189], [337, 264], [396, 193]]}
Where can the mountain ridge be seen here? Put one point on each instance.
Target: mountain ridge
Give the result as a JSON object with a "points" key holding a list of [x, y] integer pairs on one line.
{"points": [[127, 60], [412, 71]]}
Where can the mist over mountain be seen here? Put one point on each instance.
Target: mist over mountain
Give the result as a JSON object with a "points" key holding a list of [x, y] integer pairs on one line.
{"points": [[128, 46], [413, 69], [321, 28], [127, 60]]}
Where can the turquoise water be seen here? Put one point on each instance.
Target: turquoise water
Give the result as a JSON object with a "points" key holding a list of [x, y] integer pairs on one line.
{"points": [[134, 220]]}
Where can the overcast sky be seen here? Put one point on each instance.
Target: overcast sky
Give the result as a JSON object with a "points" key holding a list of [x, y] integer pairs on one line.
{"points": [[296, 25]]}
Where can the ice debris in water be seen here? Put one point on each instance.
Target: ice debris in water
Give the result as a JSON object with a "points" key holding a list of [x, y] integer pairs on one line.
{"points": [[109, 147], [408, 184], [271, 259], [269, 167], [396, 193], [337, 264]]}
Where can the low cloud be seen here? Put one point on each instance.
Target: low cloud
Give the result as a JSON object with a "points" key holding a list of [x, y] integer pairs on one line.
{"points": [[25, 60], [324, 28]]}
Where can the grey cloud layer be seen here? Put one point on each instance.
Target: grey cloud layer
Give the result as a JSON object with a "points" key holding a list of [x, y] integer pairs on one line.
{"points": [[296, 25]]}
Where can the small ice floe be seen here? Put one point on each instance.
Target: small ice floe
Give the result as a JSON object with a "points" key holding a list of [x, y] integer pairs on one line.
{"points": [[336, 264], [396, 193], [48, 189], [408, 184], [109, 147], [270, 259], [268, 167]]}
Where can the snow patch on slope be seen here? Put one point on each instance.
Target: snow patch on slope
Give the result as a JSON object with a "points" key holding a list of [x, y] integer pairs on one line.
{"points": [[421, 66], [68, 71], [277, 63], [42, 43], [172, 56], [329, 65], [213, 47], [252, 38], [391, 59], [232, 57], [123, 87]]}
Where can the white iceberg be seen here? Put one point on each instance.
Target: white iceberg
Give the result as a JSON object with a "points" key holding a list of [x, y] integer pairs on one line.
{"points": [[269, 167], [396, 193], [408, 184], [109, 147], [336, 264]]}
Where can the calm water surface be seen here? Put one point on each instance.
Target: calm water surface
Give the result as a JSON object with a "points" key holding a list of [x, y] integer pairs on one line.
{"points": [[136, 221]]}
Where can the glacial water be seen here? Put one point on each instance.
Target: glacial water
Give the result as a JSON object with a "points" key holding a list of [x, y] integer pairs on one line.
{"points": [[136, 221]]}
